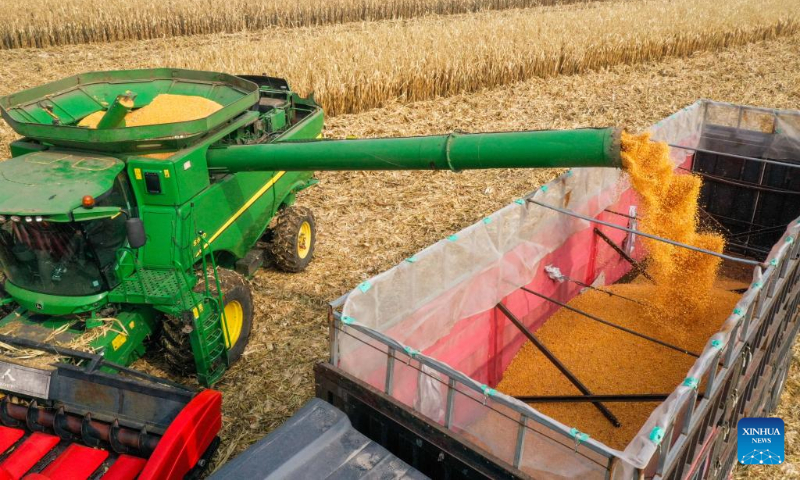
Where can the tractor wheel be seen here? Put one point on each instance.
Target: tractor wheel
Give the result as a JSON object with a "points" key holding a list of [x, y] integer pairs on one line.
{"points": [[293, 239], [237, 322]]}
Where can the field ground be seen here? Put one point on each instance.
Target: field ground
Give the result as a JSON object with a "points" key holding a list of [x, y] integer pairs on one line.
{"points": [[368, 222]]}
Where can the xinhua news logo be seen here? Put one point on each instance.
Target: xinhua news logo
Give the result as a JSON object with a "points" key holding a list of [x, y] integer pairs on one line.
{"points": [[760, 441]]}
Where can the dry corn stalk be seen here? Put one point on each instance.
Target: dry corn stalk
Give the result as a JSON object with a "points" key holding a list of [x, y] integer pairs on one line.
{"points": [[356, 67]]}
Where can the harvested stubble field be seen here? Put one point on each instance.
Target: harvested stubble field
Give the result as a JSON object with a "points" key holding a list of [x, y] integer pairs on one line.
{"points": [[44, 23], [370, 221]]}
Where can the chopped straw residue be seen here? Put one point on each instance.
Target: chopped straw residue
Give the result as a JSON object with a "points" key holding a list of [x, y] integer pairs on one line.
{"points": [[165, 108], [670, 210], [44, 359]]}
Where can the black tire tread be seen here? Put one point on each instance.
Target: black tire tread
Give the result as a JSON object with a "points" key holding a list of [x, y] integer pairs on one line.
{"points": [[284, 238], [176, 345]]}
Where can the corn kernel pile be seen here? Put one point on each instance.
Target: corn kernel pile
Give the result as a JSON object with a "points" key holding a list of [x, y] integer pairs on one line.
{"points": [[165, 108], [610, 361]]}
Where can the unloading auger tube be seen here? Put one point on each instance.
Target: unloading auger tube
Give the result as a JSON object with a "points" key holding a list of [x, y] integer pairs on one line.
{"points": [[590, 147]]}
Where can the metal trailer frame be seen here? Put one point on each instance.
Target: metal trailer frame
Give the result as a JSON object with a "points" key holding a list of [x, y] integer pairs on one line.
{"points": [[745, 378], [747, 381]]}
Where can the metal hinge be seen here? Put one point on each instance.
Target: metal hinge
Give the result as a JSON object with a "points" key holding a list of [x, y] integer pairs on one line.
{"points": [[747, 356]]}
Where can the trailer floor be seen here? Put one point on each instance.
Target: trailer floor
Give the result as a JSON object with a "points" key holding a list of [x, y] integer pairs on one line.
{"points": [[610, 361]]}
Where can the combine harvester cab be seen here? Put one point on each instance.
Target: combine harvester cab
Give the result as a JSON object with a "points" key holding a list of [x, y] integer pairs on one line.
{"points": [[418, 352]]}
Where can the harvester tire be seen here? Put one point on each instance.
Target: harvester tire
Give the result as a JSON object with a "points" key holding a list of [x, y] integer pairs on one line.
{"points": [[177, 348], [293, 239], [237, 297]]}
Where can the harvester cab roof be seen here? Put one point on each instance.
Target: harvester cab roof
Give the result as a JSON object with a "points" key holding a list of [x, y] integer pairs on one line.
{"points": [[53, 183]]}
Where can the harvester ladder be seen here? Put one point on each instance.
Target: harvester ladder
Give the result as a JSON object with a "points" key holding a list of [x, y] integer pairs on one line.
{"points": [[207, 337]]}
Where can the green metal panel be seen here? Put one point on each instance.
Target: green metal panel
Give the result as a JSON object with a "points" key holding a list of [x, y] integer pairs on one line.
{"points": [[187, 168], [54, 182], [23, 146], [124, 342], [55, 304], [161, 227], [456, 151]]}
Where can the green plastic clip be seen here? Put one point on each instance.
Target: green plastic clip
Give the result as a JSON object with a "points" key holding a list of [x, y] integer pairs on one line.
{"points": [[569, 172], [488, 391], [578, 435], [544, 188], [347, 320], [657, 435], [411, 352], [691, 382], [453, 237], [716, 343], [520, 201], [487, 221], [411, 259], [774, 262], [737, 311], [789, 239], [757, 285], [364, 287]]}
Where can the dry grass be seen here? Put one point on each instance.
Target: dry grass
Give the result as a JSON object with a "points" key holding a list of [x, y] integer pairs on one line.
{"points": [[368, 222], [45, 23]]}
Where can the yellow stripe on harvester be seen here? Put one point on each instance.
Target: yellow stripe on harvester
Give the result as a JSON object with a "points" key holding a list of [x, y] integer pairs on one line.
{"points": [[247, 205]]}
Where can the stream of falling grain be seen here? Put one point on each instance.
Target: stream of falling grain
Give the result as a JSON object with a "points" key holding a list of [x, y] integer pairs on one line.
{"points": [[670, 210]]}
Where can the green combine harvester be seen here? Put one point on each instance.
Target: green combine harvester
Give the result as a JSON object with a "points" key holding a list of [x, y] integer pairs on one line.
{"points": [[150, 232]]}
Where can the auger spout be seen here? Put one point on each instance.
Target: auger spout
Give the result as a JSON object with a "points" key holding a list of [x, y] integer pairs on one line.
{"points": [[590, 147]]}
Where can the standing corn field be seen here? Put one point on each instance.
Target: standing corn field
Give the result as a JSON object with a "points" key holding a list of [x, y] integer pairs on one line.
{"points": [[359, 66], [42, 23]]}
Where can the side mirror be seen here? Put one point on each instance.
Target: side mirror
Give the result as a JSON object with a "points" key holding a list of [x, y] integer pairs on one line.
{"points": [[135, 229]]}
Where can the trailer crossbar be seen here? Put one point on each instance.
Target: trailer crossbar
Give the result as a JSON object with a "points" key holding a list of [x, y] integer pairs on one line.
{"points": [[557, 363], [647, 235], [610, 324]]}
